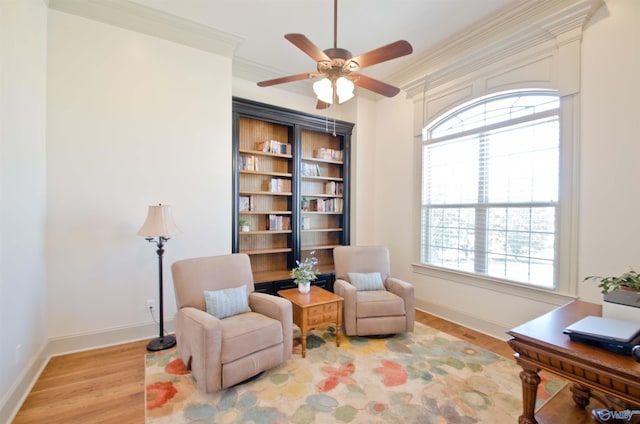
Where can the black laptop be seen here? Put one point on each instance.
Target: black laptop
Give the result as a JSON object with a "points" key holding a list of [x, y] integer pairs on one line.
{"points": [[612, 334]]}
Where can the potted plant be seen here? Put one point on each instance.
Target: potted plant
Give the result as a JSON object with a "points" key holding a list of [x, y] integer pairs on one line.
{"points": [[627, 281], [305, 273], [244, 224]]}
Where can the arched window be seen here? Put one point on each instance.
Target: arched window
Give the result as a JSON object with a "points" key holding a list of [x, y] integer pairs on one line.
{"points": [[490, 188]]}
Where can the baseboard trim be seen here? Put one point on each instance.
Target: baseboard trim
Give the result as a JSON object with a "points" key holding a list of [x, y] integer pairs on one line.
{"points": [[476, 323], [10, 404], [98, 339], [15, 397]]}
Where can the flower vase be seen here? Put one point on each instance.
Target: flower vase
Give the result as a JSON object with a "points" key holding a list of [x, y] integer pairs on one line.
{"points": [[304, 287]]}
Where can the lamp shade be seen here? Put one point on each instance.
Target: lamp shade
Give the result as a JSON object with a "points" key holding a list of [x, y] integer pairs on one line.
{"points": [[159, 222], [344, 89], [324, 90]]}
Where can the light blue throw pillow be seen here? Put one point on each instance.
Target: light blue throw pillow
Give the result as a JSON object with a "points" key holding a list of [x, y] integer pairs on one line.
{"points": [[366, 281], [227, 302]]}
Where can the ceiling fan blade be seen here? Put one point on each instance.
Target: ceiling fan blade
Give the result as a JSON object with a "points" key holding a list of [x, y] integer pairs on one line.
{"points": [[322, 105], [304, 44], [289, 78], [374, 85], [390, 51]]}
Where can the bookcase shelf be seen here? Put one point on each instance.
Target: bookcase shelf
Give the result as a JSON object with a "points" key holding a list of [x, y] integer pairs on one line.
{"points": [[314, 177], [321, 195], [285, 162], [266, 251], [273, 174], [265, 212], [261, 153], [310, 159], [249, 233], [268, 193]]}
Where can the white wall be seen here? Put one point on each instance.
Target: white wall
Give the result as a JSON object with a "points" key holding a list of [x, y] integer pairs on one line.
{"points": [[610, 195], [133, 120], [23, 309], [608, 210]]}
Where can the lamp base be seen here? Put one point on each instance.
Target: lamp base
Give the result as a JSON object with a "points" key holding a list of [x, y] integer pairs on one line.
{"points": [[161, 343]]}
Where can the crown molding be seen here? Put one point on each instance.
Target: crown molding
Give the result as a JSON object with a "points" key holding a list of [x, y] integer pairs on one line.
{"points": [[135, 17], [513, 29]]}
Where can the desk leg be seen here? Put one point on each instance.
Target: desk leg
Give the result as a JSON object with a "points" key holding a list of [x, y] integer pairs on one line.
{"points": [[530, 380], [581, 395]]}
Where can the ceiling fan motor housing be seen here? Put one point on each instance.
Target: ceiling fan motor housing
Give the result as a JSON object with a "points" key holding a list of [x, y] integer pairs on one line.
{"points": [[339, 57]]}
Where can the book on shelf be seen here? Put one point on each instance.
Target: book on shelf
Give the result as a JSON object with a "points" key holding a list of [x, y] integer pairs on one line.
{"points": [[278, 222], [245, 203], [310, 169], [316, 205], [328, 154], [274, 146], [326, 205], [249, 163], [330, 187], [279, 185]]}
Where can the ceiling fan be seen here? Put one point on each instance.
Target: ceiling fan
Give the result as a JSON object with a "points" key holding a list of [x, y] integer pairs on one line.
{"points": [[339, 68]]}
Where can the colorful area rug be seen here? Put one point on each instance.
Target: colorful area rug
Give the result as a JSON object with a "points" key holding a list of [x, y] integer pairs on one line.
{"points": [[424, 377]]}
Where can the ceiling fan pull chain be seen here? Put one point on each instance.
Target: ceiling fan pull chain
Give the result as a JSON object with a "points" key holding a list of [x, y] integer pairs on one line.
{"points": [[334, 122]]}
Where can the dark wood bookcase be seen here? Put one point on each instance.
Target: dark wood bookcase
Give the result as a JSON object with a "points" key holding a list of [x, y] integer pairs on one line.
{"points": [[290, 190]]}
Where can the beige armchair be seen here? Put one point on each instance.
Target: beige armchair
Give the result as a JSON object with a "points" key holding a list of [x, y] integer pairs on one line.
{"points": [[222, 352], [375, 307]]}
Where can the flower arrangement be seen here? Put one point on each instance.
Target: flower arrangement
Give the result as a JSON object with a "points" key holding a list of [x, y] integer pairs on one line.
{"points": [[305, 272]]}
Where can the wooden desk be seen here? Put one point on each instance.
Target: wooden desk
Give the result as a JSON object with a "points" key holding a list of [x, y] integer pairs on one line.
{"points": [[315, 309], [540, 344]]}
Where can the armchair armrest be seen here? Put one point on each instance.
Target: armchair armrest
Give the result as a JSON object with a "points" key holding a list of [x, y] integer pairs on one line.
{"points": [[279, 309], [406, 292], [348, 292], [200, 344]]}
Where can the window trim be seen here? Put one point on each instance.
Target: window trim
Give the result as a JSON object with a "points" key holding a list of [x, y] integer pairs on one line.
{"points": [[540, 294]]}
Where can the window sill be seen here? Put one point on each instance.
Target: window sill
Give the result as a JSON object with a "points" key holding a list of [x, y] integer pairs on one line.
{"points": [[501, 286]]}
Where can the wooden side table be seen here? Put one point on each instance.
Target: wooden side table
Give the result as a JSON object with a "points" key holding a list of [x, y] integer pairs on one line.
{"points": [[315, 309]]}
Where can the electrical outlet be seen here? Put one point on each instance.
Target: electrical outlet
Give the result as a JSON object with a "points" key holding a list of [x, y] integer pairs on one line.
{"points": [[151, 305], [18, 354]]}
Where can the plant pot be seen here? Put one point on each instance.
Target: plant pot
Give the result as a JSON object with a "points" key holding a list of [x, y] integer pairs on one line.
{"points": [[627, 288], [245, 228], [304, 287]]}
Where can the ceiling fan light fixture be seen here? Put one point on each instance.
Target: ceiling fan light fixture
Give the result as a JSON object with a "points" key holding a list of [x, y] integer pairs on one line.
{"points": [[344, 89], [324, 90]]}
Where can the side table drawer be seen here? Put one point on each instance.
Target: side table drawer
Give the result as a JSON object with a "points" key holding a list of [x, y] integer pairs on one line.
{"points": [[322, 313]]}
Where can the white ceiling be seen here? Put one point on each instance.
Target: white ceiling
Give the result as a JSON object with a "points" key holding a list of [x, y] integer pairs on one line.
{"points": [[363, 25]]}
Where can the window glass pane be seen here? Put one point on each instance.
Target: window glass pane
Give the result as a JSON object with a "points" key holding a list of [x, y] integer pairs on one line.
{"points": [[451, 172], [493, 111], [522, 162], [490, 197]]}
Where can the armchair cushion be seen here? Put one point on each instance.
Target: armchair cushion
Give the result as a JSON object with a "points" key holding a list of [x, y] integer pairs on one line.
{"points": [[247, 333], [378, 303], [366, 281], [227, 302]]}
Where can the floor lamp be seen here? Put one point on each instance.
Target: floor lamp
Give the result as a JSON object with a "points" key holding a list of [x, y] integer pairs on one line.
{"points": [[156, 229]]}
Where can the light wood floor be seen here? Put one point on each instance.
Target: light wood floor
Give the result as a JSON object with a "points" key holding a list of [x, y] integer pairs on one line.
{"points": [[107, 385]]}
